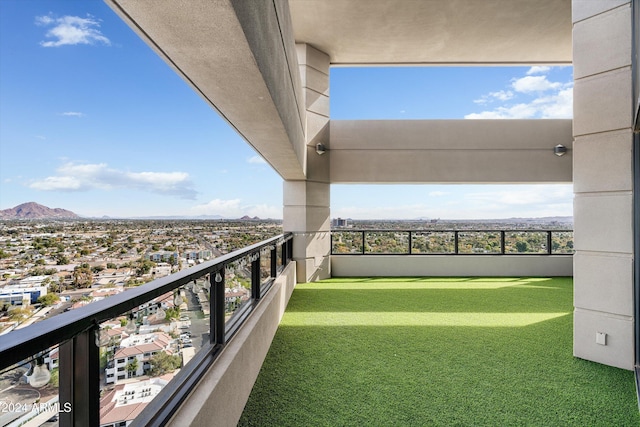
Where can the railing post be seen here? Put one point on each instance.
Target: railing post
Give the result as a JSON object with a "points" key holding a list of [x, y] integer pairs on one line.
{"points": [[289, 244], [331, 242], [363, 243], [549, 242], [274, 261], [217, 319], [255, 277], [79, 380], [502, 242], [455, 242], [410, 242]]}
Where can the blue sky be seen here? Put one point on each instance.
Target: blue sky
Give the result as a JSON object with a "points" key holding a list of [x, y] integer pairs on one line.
{"points": [[93, 121]]}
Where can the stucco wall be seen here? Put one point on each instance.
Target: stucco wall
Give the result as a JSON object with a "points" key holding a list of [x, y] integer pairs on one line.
{"points": [[450, 151], [448, 265], [603, 181]]}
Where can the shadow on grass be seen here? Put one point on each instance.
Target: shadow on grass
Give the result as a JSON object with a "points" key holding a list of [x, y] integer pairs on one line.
{"points": [[420, 375], [420, 295]]}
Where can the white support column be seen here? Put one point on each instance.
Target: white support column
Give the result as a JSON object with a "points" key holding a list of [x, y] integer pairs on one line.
{"points": [[603, 177], [306, 203]]}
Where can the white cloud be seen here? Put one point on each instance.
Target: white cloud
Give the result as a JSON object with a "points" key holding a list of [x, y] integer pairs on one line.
{"points": [[73, 114], [438, 193], [256, 160], [536, 69], [534, 84], [84, 177], [71, 30], [558, 106], [501, 95], [532, 97], [234, 208], [518, 111]]}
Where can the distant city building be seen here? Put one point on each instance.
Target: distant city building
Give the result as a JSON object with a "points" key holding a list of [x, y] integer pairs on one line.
{"points": [[124, 402], [339, 222], [162, 256], [196, 255], [25, 292], [136, 349]]}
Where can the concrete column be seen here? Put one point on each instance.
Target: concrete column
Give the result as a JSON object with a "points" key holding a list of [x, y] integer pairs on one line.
{"points": [[306, 203], [603, 176]]}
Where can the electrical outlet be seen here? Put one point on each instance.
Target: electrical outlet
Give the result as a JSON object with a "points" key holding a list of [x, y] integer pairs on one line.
{"points": [[601, 338]]}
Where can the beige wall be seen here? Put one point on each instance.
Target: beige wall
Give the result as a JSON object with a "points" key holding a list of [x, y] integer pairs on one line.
{"points": [[452, 266], [219, 398], [307, 204], [450, 151], [603, 175]]}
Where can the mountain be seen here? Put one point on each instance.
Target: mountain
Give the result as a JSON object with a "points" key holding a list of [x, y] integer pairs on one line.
{"points": [[34, 210]]}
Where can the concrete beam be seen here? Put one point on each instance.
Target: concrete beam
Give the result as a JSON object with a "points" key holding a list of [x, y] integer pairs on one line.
{"points": [[240, 57], [449, 151]]}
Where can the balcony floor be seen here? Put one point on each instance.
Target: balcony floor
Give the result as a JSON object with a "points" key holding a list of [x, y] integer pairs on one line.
{"points": [[434, 351]]}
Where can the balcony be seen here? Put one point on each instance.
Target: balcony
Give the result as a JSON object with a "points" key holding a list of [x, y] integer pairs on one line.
{"points": [[435, 351], [347, 334]]}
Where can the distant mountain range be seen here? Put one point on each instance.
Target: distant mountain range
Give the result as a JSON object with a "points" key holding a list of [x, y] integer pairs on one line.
{"points": [[33, 210]]}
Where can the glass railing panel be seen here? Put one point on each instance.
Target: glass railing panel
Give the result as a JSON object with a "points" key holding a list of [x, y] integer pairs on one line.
{"points": [[525, 242], [387, 242], [136, 352], [479, 242], [141, 351], [237, 292], [562, 242], [346, 242], [29, 392], [265, 265], [423, 242]]}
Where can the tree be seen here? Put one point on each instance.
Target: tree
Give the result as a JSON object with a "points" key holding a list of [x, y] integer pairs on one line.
{"points": [[82, 276], [161, 363], [132, 367], [55, 377], [172, 313], [522, 246], [61, 259], [48, 299], [19, 314], [144, 266]]}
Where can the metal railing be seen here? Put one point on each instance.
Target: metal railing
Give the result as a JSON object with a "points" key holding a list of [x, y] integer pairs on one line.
{"points": [[77, 333], [452, 242]]}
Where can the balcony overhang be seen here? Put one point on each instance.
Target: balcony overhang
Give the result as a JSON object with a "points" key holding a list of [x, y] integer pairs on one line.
{"points": [[240, 57], [463, 32]]}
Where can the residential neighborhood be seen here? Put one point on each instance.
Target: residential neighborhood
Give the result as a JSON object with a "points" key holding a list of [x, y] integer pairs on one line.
{"points": [[48, 267]]}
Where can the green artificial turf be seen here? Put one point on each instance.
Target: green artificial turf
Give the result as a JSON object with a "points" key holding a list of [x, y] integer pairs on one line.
{"points": [[435, 351]]}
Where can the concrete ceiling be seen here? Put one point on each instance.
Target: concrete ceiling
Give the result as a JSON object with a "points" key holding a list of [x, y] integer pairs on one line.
{"points": [[415, 32]]}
